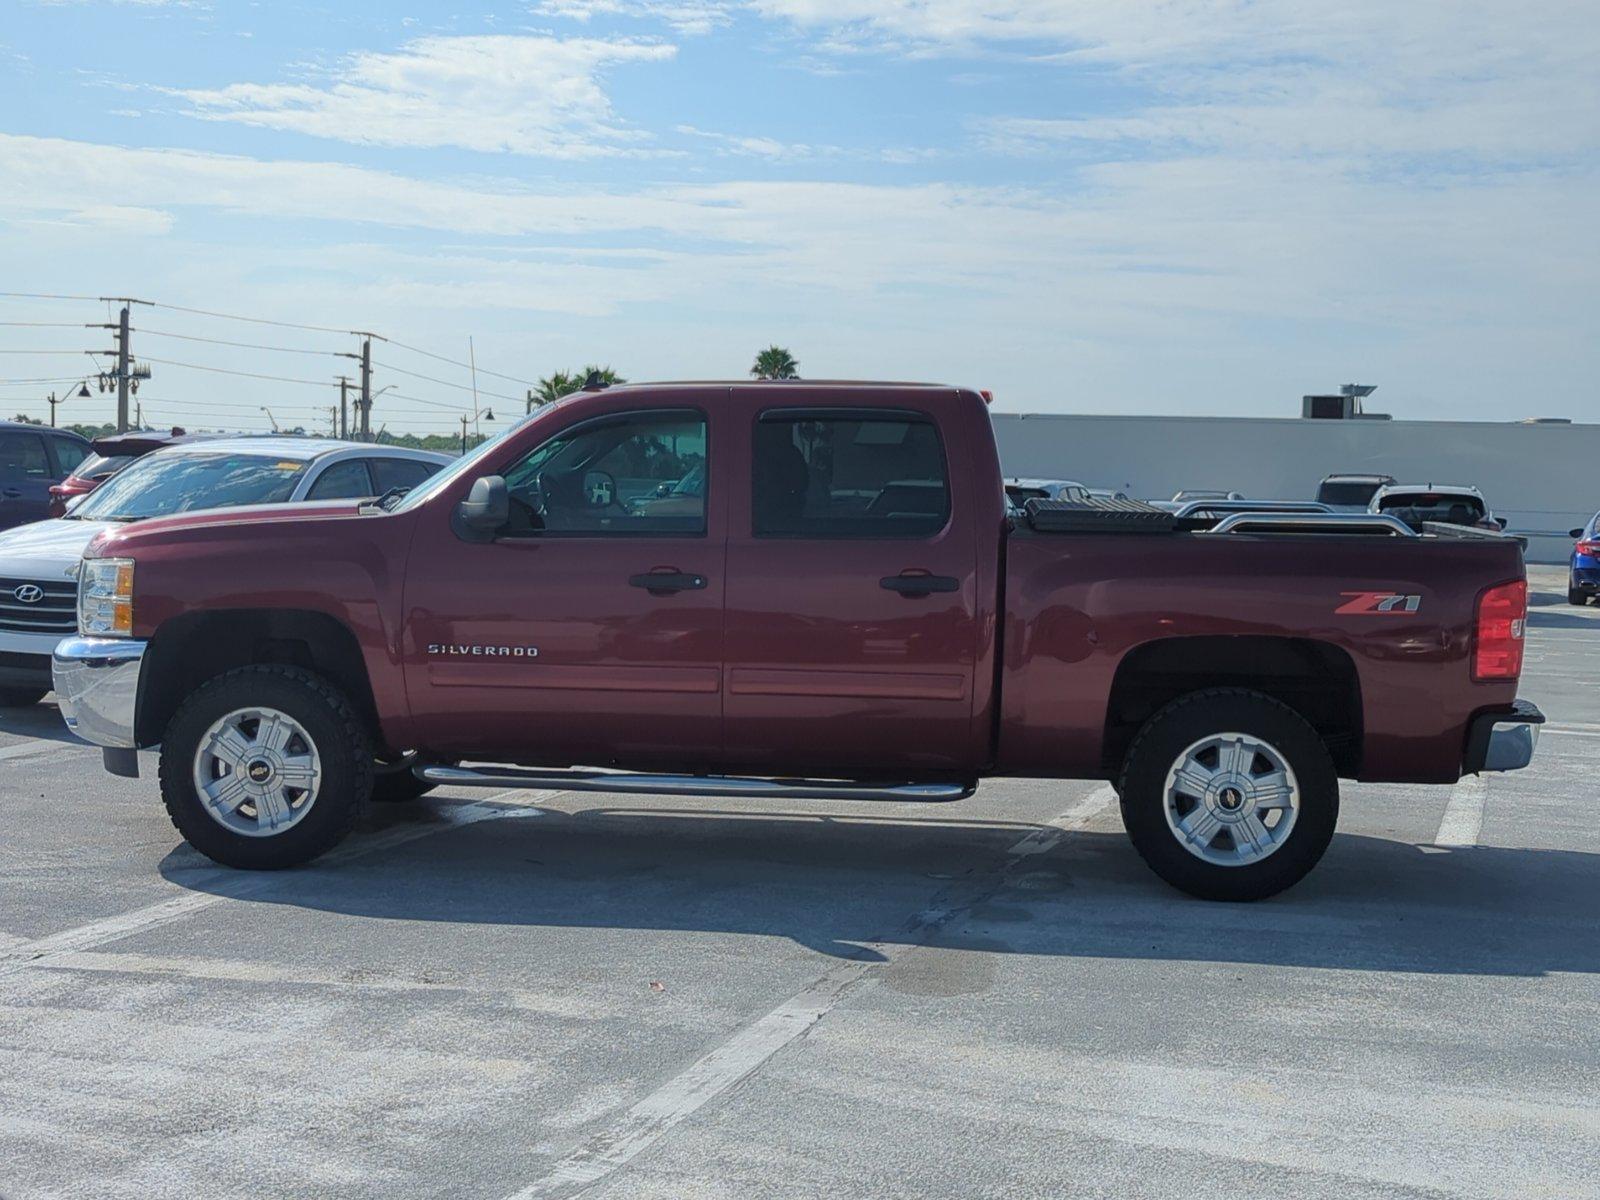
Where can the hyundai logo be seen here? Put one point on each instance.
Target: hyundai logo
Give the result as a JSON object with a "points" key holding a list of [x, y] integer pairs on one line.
{"points": [[28, 593]]}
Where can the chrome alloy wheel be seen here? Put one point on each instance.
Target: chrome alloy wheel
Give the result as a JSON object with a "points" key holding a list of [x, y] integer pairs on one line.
{"points": [[1231, 799], [257, 771]]}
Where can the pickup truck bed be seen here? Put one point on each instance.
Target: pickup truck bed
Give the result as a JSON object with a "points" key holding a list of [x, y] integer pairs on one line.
{"points": [[787, 589]]}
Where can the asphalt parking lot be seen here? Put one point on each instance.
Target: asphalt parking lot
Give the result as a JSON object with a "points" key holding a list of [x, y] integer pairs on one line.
{"points": [[547, 995]]}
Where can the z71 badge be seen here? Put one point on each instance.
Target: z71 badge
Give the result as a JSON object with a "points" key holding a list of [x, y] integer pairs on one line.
{"points": [[1378, 604]]}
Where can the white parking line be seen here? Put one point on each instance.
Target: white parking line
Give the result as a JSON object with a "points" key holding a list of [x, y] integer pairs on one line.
{"points": [[239, 885], [747, 1050], [1463, 815]]}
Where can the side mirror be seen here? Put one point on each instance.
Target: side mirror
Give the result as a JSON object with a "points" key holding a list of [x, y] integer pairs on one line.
{"points": [[485, 511], [1500, 521], [1574, 534]]}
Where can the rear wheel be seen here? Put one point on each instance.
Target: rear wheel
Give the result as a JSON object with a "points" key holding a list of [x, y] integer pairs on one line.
{"points": [[1574, 596], [1229, 795], [265, 767], [21, 697]]}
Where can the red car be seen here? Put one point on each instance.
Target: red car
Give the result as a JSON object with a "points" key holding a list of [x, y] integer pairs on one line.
{"points": [[844, 609], [111, 454]]}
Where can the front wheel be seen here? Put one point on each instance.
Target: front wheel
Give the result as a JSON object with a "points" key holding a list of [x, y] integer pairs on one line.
{"points": [[265, 767], [1574, 596], [1229, 795]]}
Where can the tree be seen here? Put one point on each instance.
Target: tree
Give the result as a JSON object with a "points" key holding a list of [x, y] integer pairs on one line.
{"points": [[564, 383], [775, 362]]}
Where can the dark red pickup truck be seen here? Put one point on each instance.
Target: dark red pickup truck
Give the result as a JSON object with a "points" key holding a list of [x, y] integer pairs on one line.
{"points": [[792, 589]]}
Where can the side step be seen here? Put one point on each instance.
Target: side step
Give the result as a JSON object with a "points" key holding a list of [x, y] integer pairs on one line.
{"points": [[693, 785]]}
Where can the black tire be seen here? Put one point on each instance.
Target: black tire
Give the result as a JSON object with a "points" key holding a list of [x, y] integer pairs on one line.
{"points": [[21, 697], [1574, 596], [333, 727], [398, 787], [1173, 730]]}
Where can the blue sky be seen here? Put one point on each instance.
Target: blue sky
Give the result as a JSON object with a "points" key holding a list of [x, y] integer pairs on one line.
{"points": [[1086, 205]]}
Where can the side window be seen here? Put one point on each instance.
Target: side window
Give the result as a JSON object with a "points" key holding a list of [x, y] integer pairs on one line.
{"points": [[70, 455], [22, 457], [631, 475], [843, 475], [398, 473], [343, 481]]}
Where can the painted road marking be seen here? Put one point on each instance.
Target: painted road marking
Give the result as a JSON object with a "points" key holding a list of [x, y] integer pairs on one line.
{"points": [[241, 885], [1463, 815], [747, 1050]]}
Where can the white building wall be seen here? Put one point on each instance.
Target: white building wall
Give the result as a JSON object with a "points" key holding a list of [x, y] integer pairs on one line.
{"points": [[1542, 478]]}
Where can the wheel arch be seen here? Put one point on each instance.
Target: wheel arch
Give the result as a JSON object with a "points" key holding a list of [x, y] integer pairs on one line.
{"points": [[190, 649], [1316, 679]]}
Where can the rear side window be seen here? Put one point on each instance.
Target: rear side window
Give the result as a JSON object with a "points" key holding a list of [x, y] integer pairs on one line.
{"points": [[70, 454], [343, 481], [398, 473], [848, 475], [22, 456], [100, 467]]}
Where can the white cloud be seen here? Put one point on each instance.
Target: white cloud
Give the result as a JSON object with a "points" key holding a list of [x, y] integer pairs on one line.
{"points": [[519, 94], [687, 17]]}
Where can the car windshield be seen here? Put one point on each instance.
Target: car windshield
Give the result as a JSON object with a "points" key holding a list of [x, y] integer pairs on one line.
{"points": [[1348, 493], [100, 466], [434, 483], [161, 484]]}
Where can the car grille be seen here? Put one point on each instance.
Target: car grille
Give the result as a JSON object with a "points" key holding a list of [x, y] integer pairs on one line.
{"points": [[56, 613]]}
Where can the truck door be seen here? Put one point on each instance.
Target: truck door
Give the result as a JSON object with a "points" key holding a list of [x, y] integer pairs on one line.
{"points": [[590, 632], [852, 590]]}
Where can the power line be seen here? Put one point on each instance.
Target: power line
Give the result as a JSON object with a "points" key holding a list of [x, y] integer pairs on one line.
{"points": [[43, 324], [45, 296], [204, 312], [169, 362], [189, 337], [446, 383], [456, 362]]}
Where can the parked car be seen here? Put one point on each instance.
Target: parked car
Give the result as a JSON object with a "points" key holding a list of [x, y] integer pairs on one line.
{"points": [[1351, 493], [39, 562], [1107, 494], [110, 454], [1583, 573], [1447, 504], [1205, 494], [1019, 491], [33, 459], [827, 623]]}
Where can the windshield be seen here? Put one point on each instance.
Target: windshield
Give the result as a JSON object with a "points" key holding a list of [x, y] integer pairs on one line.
{"points": [[1348, 493], [161, 484], [461, 466]]}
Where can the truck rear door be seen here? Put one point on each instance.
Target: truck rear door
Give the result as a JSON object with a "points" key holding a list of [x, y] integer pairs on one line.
{"points": [[852, 630]]}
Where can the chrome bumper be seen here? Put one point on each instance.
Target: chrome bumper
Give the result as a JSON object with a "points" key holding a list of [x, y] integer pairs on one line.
{"points": [[1503, 741], [97, 688]]}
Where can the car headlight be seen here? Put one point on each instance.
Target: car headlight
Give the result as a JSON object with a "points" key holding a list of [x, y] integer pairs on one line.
{"points": [[105, 597]]}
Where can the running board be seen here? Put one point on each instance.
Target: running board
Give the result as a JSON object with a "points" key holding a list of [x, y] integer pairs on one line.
{"points": [[693, 785]]}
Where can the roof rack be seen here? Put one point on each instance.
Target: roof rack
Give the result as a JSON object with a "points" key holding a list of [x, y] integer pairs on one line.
{"points": [[1287, 522]]}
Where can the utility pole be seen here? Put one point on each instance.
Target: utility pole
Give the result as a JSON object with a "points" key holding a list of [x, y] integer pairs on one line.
{"points": [[122, 370], [138, 414], [464, 420], [53, 403], [344, 407], [366, 388], [529, 409]]}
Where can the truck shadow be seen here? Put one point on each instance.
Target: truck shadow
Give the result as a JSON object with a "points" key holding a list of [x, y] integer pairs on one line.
{"points": [[839, 883], [41, 721]]}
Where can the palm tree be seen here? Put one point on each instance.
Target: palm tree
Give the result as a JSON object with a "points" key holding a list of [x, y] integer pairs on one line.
{"points": [[564, 383], [775, 362]]}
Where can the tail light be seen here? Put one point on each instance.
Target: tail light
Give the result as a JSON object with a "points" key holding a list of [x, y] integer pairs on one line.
{"points": [[1592, 549], [57, 490], [1502, 616]]}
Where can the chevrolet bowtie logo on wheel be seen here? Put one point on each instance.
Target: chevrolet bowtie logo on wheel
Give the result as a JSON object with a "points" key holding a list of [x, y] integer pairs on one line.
{"points": [[28, 593]]}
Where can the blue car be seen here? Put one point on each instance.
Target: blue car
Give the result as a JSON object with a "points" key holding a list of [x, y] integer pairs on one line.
{"points": [[1584, 579]]}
